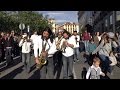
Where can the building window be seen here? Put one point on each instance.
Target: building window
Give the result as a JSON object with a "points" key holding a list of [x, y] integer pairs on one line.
{"points": [[117, 15], [106, 23], [111, 19]]}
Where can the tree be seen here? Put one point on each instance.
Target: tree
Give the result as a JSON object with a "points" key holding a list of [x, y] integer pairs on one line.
{"points": [[10, 20]]}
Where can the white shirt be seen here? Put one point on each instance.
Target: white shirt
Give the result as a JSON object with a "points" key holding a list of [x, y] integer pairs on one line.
{"points": [[99, 38], [51, 47], [34, 39], [78, 39], [25, 46], [103, 49], [69, 51]]}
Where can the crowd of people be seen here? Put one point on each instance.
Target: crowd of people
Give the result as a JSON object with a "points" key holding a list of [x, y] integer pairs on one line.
{"points": [[102, 51], [9, 47]]}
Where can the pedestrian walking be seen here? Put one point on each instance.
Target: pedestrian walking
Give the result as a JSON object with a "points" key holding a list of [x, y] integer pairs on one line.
{"points": [[47, 48], [25, 43], [67, 45], [76, 47]]}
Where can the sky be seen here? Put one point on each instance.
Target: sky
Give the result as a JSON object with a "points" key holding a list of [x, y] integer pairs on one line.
{"points": [[62, 16]]}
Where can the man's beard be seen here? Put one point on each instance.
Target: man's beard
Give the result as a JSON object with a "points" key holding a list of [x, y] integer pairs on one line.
{"points": [[45, 38]]}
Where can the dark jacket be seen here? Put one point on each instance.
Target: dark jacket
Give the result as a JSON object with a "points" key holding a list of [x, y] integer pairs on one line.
{"points": [[9, 42]]}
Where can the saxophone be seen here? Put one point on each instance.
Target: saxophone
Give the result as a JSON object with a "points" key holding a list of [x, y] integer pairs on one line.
{"points": [[58, 43], [41, 58]]}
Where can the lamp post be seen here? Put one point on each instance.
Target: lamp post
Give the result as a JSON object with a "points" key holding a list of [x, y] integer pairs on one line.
{"points": [[28, 30]]}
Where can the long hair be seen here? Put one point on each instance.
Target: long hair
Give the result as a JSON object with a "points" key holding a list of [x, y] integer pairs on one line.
{"points": [[51, 35], [65, 31]]}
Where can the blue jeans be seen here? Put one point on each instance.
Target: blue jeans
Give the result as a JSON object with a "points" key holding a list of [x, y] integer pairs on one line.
{"points": [[76, 54], [67, 67], [86, 44], [105, 63], [26, 61]]}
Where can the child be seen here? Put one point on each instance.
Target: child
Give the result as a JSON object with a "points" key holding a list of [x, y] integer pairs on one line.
{"points": [[112, 58], [26, 48], [94, 71]]}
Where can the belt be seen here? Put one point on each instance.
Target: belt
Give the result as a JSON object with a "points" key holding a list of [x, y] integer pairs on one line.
{"points": [[8, 47]]}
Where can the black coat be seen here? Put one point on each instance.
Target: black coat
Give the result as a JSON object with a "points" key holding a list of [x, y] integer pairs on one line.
{"points": [[9, 42]]}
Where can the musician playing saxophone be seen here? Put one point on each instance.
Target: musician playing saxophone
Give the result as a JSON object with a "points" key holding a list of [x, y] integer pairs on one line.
{"points": [[58, 54], [48, 39]]}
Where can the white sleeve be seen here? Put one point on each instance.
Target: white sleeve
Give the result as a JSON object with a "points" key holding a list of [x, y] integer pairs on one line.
{"points": [[114, 44], [72, 41], [98, 48], [78, 38], [88, 73], [39, 45], [115, 60], [52, 49], [21, 43], [101, 72]]}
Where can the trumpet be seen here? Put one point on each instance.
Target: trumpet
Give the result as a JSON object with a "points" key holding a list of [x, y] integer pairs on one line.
{"points": [[63, 47]]}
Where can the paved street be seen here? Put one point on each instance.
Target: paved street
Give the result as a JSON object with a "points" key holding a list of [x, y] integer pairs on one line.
{"points": [[15, 71]]}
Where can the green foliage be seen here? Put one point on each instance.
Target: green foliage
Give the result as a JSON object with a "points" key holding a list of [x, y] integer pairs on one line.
{"points": [[10, 20]]}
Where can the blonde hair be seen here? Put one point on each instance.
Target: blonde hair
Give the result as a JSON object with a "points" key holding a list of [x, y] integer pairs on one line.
{"points": [[96, 59]]}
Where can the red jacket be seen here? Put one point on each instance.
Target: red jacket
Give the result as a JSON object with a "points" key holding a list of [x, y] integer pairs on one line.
{"points": [[86, 36]]}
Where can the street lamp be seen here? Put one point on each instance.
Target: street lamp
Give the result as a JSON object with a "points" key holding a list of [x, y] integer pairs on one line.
{"points": [[28, 29]]}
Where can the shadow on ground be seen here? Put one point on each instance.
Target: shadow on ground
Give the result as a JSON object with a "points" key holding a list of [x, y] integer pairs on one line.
{"points": [[36, 75], [13, 63], [12, 74]]}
